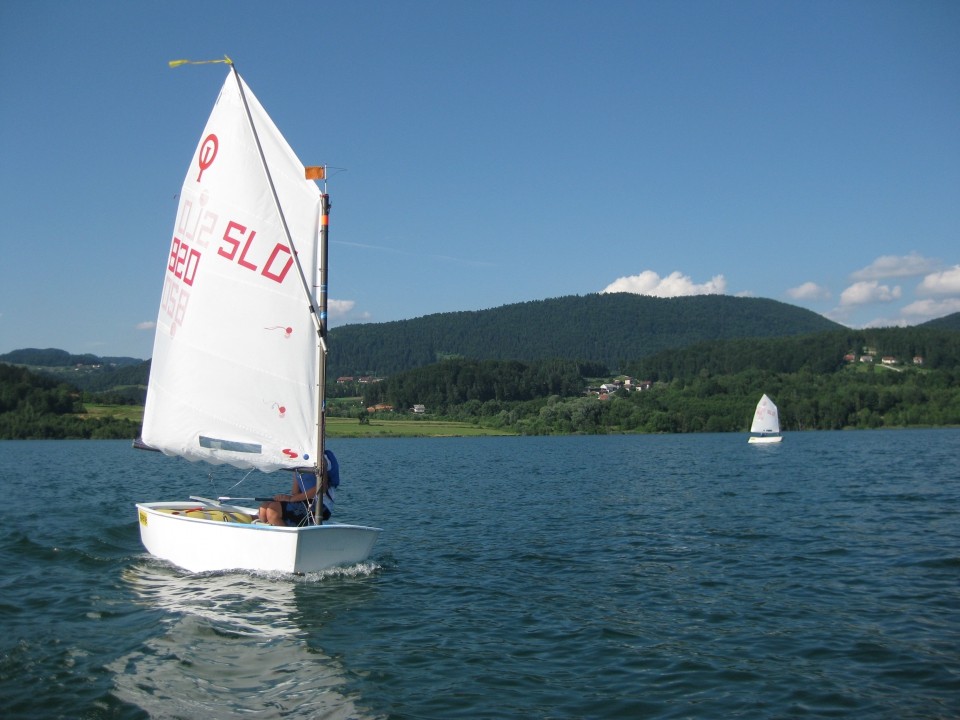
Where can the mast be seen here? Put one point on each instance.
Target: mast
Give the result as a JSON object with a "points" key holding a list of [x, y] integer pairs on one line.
{"points": [[320, 173]]}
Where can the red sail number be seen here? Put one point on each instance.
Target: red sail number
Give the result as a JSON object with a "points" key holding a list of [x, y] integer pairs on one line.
{"points": [[184, 261]]}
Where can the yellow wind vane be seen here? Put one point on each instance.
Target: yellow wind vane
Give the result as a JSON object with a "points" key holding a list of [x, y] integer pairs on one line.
{"points": [[178, 63]]}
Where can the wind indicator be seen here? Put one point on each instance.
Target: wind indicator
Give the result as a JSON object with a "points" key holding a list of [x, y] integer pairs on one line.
{"points": [[177, 63]]}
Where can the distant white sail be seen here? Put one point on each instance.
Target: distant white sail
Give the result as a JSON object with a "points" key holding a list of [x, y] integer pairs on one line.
{"points": [[766, 419], [234, 368]]}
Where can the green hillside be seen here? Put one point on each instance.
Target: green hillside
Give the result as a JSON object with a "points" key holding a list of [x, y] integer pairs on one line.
{"points": [[837, 378], [948, 322], [121, 380], [925, 347], [890, 377], [53, 357], [613, 329]]}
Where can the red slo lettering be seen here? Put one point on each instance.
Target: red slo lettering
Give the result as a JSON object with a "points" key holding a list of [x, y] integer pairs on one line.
{"points": [[234, 238], [268, 273], [233, 242], [243, 255]]}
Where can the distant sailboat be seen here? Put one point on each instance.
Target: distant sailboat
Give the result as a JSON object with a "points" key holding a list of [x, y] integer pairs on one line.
{"points": [[766, 423]]}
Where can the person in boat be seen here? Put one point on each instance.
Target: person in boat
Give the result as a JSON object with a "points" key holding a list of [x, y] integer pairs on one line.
{"points": [[294, 508]]}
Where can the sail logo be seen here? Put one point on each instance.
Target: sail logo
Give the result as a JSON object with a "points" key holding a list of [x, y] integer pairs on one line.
{"points": [[208, 151]]}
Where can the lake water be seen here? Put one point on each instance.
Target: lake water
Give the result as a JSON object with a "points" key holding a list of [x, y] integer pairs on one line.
{"points": [[686, 576]]}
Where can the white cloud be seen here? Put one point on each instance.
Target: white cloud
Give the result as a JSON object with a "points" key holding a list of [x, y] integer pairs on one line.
{"points": [[674, 285], [148, 325], [861, 293], [941, 283], [923, 310], [808, 291], [339, 308], [342, 312], [888, 266], [886, 322]]}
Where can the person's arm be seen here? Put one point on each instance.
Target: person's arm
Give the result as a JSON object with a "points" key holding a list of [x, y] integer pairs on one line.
{"points": [[297, 496], [293, 491]]}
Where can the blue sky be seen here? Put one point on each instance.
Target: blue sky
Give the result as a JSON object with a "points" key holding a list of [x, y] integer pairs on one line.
{"points": [[495, 152]]}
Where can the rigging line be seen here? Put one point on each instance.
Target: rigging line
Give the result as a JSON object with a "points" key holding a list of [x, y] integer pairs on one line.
{"points": [[240, 480]]}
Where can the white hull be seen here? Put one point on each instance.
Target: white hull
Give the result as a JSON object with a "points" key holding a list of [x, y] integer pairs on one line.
{"points": [[200, 545], [765, 439]]}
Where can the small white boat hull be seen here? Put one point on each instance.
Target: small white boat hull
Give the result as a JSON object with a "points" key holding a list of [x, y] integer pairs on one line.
{"points": [[201, 545], [765, 439]]}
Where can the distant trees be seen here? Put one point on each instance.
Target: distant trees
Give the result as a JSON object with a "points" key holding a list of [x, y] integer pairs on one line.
{"points": [[33, 406], [711, 387], [704, 387], [849, 399], [820, 353], [446, 385]]}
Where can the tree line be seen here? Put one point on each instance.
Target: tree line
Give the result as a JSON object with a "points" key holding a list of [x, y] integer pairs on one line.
{"points": [[858, 397], [825, 352], [34, 406], [818, 381]]}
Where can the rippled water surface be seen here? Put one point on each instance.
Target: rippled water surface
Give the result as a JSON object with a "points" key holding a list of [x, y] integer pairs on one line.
{"points": [[690, 576]]}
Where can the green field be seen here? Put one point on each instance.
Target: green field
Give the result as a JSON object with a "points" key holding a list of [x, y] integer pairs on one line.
{"points": [[351, 427], [338, 427], [133, 413]]}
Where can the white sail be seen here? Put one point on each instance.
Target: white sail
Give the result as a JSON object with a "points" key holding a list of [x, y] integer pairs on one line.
{"points": [[234, 368], [238, 359], [766, 420]]}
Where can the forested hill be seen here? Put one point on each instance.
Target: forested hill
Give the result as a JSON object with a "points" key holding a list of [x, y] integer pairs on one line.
{"points": [[125, 377], [925, 346], [613, 329], [950, 322], [53, 357]]}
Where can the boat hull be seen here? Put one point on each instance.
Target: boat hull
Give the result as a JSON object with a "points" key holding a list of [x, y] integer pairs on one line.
{"points": [[199, 544], [765, 439]]}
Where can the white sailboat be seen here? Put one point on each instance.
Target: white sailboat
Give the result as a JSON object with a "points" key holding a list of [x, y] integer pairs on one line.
{"points": [[766, 423], [239, 358]]}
